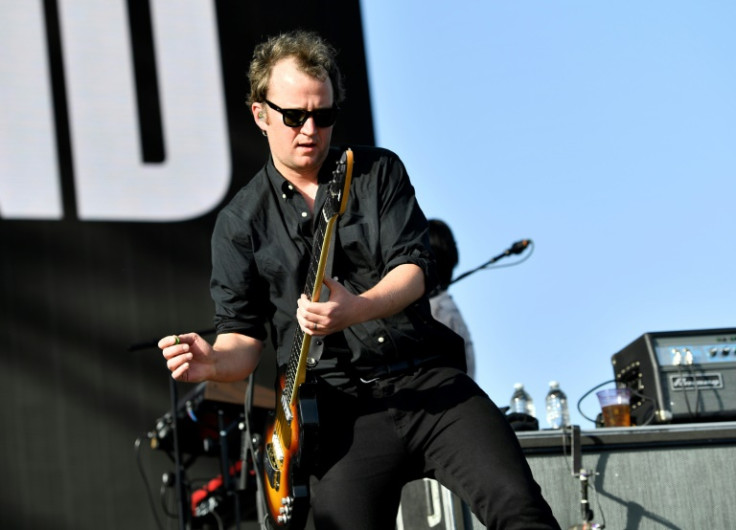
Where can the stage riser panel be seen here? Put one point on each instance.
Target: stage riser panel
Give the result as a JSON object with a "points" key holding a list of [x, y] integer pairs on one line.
{"points": [[678, 488]]}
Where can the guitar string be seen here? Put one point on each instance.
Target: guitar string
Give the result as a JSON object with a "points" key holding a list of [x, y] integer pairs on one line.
{"points": [[327, 213], [292, 370]]}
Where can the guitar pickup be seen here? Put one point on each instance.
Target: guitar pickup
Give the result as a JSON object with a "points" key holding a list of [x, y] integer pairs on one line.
{"points": [[272, 469], [286, 408]]}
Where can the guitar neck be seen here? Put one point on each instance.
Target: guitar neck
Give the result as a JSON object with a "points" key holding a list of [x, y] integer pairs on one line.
{"points": [[337, 194], [297, 366]]}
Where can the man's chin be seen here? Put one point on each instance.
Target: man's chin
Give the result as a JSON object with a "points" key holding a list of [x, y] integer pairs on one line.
{"points": [[310, 158]]}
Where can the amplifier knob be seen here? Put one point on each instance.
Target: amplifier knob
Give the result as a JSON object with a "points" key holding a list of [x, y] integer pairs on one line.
{"points": [[713, 352], [725, 351], [676, 357]]}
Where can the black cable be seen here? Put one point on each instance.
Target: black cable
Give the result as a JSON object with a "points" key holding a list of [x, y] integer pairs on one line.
{"points": [[487, 264], [684, 390], [218, 519], [691, 369], [646, 398], [591, 483], [513, 264], [588, 393], [250, 448], [164, 505], [146, 483], [598, 505], [633, 393]]}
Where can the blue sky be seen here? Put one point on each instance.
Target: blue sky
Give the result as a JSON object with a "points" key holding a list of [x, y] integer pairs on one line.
{"points": [[603, 131]]}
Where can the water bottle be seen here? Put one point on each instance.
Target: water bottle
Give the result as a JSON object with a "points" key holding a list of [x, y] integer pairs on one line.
{"points": [[558, 414], [521, 401]]}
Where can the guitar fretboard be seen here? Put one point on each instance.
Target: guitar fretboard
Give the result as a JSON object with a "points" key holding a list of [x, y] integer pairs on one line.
{"points": [[301, 339]]}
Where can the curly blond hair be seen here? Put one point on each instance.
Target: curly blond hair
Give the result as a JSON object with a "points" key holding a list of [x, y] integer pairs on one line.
{"points": [[314, 56]]}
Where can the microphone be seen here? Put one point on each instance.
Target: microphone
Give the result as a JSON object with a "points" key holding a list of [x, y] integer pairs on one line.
{"points": [[518, 247]]}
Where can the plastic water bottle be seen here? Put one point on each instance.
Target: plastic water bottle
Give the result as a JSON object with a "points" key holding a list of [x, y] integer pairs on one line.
{"points": [[558, 413], [521, 401]]}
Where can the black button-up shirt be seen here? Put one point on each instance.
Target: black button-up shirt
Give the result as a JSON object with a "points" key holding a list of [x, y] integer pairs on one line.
{"points": [[261, 248]]}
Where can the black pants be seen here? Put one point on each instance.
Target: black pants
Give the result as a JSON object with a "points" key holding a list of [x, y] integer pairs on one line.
{"points": [[434, 422]]}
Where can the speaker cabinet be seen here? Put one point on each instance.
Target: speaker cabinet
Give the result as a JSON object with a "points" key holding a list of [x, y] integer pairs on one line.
{"points": [[655, 477]]}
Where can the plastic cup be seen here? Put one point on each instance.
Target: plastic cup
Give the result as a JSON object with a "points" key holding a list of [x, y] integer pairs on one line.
{"points": [[615, 407]]}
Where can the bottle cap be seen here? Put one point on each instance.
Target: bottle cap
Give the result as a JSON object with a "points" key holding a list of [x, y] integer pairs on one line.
{"points": [[554, 384], [518, 386]]}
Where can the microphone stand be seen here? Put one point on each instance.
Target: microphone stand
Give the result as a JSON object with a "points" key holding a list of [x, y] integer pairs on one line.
{"points": [[184, 522], [182, 510], [516, 248]]}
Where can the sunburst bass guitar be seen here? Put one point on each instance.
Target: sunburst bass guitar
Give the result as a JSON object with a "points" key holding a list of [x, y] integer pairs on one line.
{"points": [[289, 437]]}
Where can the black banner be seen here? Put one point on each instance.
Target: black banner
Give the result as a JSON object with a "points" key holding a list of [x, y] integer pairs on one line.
{"points": [[128, 130]]}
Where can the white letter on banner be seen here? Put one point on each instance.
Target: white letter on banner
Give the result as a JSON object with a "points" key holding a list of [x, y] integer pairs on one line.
{"points": [[29, 168], [112, 182]]}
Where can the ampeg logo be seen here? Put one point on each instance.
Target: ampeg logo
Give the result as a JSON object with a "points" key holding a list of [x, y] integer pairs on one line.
{"points": [[690, 381]]}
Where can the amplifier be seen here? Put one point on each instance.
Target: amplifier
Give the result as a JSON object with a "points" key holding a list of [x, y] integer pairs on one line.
{"points": [[680, 376]]}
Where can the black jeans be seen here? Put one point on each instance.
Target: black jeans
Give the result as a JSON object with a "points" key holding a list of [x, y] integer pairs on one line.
{"points": [[434, 422]]}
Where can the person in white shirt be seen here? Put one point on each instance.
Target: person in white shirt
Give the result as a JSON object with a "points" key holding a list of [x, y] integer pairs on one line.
{"points": [[444, 309]]}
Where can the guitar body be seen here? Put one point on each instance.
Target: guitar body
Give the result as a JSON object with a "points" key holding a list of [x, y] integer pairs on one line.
{"points": [[290, 439], [287, 476]]}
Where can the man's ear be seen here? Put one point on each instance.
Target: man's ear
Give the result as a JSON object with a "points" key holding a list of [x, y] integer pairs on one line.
{"points": [[259, 115]]}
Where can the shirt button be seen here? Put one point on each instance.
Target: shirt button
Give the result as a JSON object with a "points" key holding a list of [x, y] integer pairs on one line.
{"points": [[381, 340], [304, 214], [291, 187], [283, 195]]}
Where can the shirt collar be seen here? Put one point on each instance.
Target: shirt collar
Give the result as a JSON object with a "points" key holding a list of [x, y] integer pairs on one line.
{"points": [[286, 189]]}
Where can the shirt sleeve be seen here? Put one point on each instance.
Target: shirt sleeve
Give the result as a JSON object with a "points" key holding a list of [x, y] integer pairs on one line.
{"points": [[404, 228], [234, 274]]}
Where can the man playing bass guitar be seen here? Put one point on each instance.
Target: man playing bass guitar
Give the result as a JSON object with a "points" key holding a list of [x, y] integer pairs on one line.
{"points": [[392, 398]]}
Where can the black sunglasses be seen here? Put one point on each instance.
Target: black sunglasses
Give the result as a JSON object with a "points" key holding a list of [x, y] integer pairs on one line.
{"points": [[298, 117]]}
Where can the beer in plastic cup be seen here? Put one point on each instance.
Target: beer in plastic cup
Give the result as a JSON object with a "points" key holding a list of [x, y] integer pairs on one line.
{"points": [[615, 407]]}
